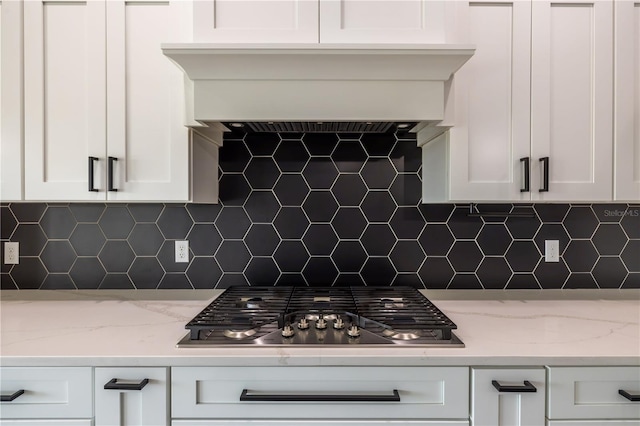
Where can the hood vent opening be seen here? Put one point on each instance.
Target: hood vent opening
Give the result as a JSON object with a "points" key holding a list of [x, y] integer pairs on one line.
{"points": [[319, 127]]}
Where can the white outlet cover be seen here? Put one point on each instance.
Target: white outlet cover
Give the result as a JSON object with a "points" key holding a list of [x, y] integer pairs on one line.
{"points": [[551, 251], [11, 253], [182, 252]]}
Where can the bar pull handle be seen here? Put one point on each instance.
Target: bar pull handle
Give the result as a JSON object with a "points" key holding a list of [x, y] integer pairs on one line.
{"points": [[9, 398], [629, 396], [110, 173], [92, 160], [526, 173], [527, 387], [545, 174], [122, 385], [247, 396]]}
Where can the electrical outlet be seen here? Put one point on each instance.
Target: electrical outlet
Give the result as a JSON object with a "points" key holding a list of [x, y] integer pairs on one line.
{"points": [[182, 251], [11, 253], [551, 251]]}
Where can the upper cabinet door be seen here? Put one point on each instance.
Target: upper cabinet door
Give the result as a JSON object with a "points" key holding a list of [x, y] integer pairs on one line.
{"points": [[64, 98], [572, 98], [627, 96], [376, 21], [255, 21]]}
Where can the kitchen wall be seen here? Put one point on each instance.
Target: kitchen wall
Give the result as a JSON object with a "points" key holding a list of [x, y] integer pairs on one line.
{"points": [[320, 209]]}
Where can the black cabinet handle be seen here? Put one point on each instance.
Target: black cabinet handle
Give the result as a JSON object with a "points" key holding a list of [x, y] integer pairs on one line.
{"points": [[110, 174], [630, 397], [545, 174], [91, 161], [113, 384], [9, 398], [528, 387], [246, 396], [526, 173]]}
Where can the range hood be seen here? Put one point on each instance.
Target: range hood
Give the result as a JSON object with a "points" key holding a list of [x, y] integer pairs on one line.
{"points": [[317, 83]]}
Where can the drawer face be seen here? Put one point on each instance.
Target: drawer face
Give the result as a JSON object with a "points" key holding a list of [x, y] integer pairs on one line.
{"points": [[48, 392], [319, 423], [213, 392], [592, 393]]}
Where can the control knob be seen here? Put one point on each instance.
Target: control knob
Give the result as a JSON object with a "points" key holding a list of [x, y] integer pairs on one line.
{"points": [[303, 324], [321, 324], [287, 331], [338, 324], [353, 331]]}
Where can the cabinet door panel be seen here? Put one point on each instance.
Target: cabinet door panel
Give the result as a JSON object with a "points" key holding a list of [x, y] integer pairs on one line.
{"points": [[319, 422], [64, 98], [571, 100]]}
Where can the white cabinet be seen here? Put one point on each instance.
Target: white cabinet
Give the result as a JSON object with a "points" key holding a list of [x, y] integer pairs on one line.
{"points": [[506, 397], [319, 422], [131, 396], [50, 396]]}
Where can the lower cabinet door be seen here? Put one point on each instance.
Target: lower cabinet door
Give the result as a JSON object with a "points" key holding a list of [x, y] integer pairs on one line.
{"points": [[593, 423], [318, 422], [507, 397], [48, 422], [131, 396]]}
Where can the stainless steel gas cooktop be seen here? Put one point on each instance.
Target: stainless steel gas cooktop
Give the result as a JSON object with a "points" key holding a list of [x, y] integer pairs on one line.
{"points": [[331, 316]]}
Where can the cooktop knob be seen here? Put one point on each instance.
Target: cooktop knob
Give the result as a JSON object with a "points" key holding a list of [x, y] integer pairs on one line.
{"points": [[321, 323], [287, 331], [303, 324], [338, 324], [353, 331]]}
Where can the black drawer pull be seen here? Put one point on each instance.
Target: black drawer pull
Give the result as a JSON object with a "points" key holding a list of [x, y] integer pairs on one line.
{"points": [[246, 396], [526, 173], [630, 397], [113, 384], [545, 174], [91, 174], [528, 387], [9, 398], [110, 175]]}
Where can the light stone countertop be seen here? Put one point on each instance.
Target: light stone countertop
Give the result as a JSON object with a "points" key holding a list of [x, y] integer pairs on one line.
{"points": [[138, 328]]}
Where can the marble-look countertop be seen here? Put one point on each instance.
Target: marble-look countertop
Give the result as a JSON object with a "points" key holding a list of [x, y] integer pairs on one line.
{"points": [[101, 328]]}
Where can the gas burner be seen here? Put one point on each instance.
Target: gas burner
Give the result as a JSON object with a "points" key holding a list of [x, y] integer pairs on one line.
{"points": [[402, 335], [251, 303], [392, 302], [239, 334], [316, 317]]}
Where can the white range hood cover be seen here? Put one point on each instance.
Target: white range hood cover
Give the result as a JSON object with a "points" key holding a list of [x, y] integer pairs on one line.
{"points": [[317, 82]]}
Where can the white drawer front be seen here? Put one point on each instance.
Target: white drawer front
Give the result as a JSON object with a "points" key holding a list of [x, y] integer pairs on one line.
{"points": [[592, 393], [593, 423], [319, 422], [438, 393], [48, 392], [48, 422]]}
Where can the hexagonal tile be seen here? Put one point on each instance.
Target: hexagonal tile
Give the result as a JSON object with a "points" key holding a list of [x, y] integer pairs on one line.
{"points": [[378, 144], [262, 239], [378, 173], [234, 189], [234, 279], [580, 280], [609, 272], [378, 206], [349, 223], [116, 256], [87, 273], [116, 282], [7, 283], [632, 281], [436, 239], [580, 256], [465, 282], [349, 279], [580, 222], [262, 271], [175, 281], [145, 239], [291, 222], [320, 206], [262, 206], [501, 209], [631, 222], [551, 274], [522, 281], [167, 258], [349, 256], [8, 223], [407, 222], [58, 282], [630, 256], [494, 240], [204, 272], [609, 212], [291, 279], [320, 173], [291, 256], [31, 239], [58, 222], [436, 272], [262, 143], [408, 280], [436, 212], [406, 189], [175, 222], [262, 173], [523, 227], [291, 156], [320, 271], [494, 272], [233, 222], [204, 239], [320, 239], [87, 212], [406, 156], [349, 190], [378, 271], [465, 256], [320, 143], [609, 239], [206, 213], [145, 212], [291, 189], [116, 222], [523, 256], [146, 273], [462, 225], [29, 273], [234, 156], [28, 212], [407, 256], [551, 212], [349, 156], [58, 256], [552, 231], [233, 256], [378, 239], [87, 239]]}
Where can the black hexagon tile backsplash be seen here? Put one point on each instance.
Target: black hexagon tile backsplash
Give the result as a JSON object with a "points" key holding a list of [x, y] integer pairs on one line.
{"points": [[319, 210]]}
